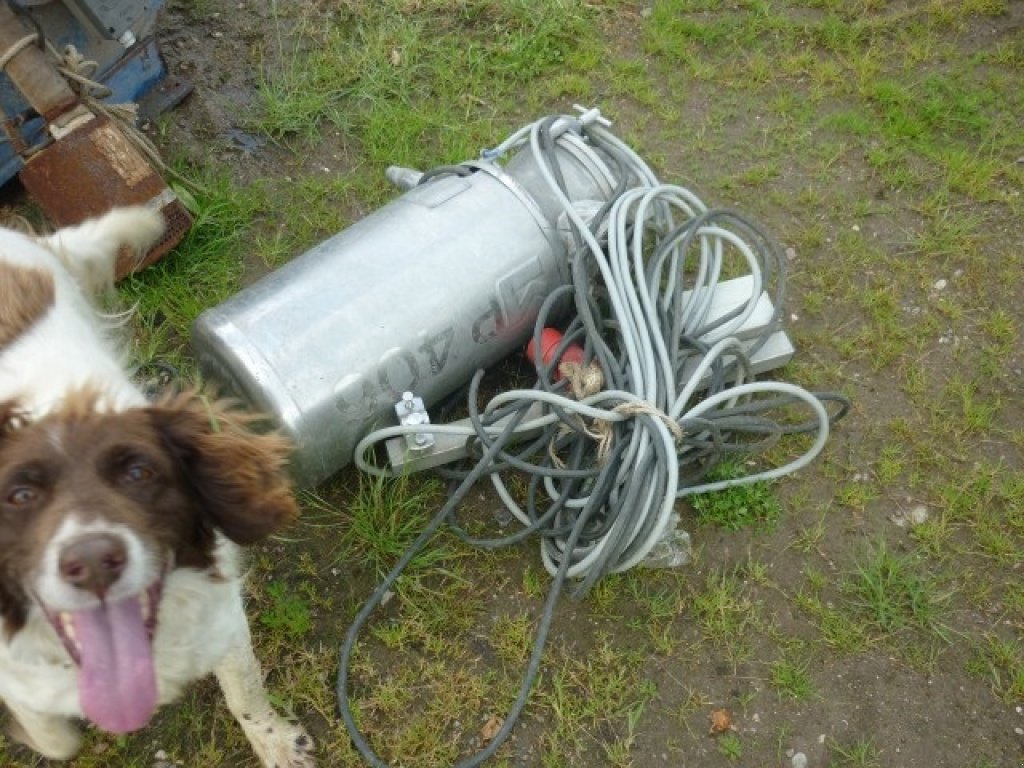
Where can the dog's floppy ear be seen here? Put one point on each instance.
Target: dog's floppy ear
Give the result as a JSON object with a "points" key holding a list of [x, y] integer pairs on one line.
{"points": [[238, 476]]}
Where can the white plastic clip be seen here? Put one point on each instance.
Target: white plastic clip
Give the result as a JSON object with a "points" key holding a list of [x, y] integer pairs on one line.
{"points": [[590, 115]]}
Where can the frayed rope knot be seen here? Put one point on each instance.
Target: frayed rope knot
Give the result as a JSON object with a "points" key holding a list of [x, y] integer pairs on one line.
{"points": [[643, 407], [584, 380], [587, 380], [605, 429]]}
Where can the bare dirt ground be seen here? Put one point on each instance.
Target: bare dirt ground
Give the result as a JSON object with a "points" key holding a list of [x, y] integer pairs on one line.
{"points": [[930, 714]]}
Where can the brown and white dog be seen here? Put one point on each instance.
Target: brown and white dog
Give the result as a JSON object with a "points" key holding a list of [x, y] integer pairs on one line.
{"points": [[120, 519]]}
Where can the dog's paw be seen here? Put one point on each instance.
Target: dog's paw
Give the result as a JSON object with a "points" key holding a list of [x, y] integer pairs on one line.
{"points": [[280, 744], [52, 737]]}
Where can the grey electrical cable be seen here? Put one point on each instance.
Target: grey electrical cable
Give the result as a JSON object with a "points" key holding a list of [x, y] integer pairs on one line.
{"points": [[678, 393]]}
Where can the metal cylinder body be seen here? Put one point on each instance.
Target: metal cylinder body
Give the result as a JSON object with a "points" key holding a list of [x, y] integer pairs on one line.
{"points": [[446, 279]]}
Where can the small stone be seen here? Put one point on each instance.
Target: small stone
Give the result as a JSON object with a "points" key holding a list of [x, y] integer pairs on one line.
{"points": [[940, 285], [918, 515], [855, 228], [791, 253], [799, 760]]}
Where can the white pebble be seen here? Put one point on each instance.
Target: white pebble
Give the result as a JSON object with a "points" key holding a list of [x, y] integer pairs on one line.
{"points": [[940, 285], [799, 760]]}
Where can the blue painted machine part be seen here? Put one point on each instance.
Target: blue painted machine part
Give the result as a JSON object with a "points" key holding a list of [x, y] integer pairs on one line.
{"points": [[129, 72]]}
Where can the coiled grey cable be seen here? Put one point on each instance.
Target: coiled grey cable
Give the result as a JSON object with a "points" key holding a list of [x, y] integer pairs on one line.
{"points": [[607, 467]]}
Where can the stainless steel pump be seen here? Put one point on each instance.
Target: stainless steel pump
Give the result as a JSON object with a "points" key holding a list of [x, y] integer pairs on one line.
{"points": [[445, 279]]}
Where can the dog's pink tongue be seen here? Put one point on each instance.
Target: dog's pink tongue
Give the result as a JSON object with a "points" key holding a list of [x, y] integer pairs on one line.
{"points": [[116, 681]]}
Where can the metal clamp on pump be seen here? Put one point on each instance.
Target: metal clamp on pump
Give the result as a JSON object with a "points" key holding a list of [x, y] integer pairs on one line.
{"points": [[412, 413]]}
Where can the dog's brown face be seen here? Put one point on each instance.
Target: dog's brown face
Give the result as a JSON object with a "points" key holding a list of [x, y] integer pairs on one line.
{"points": [[97, 508]]}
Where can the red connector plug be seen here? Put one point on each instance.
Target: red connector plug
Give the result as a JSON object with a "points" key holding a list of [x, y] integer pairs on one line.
{"points": [[549, 341]]}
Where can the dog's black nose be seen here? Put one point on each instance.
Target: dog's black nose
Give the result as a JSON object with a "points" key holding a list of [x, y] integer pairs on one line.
{"points": [[93, 562]]}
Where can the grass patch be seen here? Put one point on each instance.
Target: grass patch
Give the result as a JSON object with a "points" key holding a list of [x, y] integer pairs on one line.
{"points": [[859, 753], [1000, 661], [730, 746], [204, 270], [383, 518], [741, 506], [409, 85], [726, 615], [897, 594], [289, 612], [604, 687], [791, 678]]}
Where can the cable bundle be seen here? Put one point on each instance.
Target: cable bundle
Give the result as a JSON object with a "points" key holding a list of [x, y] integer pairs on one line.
{"points": [[676, 392]]}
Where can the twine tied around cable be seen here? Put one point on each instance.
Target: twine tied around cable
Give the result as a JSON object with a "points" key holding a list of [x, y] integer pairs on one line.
{"points": [[587, 380]]}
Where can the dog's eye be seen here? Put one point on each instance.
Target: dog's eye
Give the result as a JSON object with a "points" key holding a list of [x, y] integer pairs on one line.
{"points": [[21, 496], [137, 472]]}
